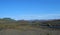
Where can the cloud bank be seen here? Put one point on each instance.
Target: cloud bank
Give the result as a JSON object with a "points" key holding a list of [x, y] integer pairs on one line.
{"points": [[46, 16]]}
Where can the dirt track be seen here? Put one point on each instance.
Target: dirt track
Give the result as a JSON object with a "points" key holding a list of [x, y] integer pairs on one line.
{"points": [[28, 32]]}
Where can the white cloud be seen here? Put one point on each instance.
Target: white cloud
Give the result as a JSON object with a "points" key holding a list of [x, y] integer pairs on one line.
{"points": [[31, 17]]}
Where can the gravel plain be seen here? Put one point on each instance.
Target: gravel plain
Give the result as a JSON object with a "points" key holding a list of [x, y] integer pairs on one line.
{"points": [[29, 32]]}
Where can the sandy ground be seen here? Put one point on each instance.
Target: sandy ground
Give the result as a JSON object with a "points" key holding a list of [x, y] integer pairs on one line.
{"points": [[29, 32]]}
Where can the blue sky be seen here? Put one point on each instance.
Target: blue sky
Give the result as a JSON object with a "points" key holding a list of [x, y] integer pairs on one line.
{"points": [[30, 9]]}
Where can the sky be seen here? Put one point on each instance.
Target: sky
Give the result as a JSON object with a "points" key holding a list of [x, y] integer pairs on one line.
{"points": [[30, 9]]}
